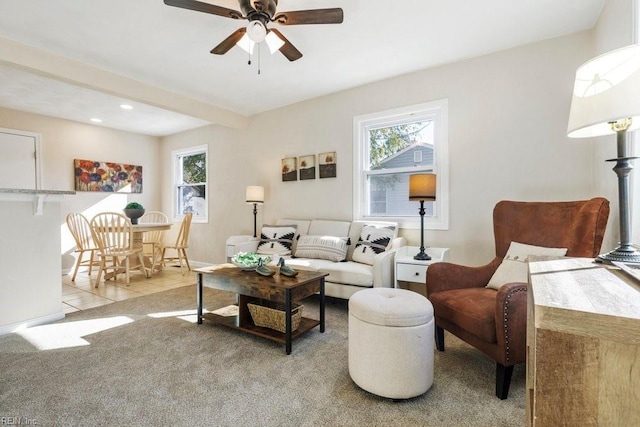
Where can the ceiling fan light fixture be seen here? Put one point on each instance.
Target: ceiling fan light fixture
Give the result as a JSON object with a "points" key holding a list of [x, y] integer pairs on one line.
{"points": [[274, 42], [256, 31], [247, 44]]}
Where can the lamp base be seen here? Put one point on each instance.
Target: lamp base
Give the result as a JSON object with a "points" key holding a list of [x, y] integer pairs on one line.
{"points": [[422, 256], [626, 255]]}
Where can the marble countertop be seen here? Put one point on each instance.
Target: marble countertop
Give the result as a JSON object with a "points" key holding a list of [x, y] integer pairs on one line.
{"points": [[35, 192]]}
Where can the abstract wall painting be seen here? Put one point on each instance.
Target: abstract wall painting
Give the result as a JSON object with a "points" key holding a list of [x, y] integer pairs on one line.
{"points": [[327, 165], [307, 167], [290, 169], [91, 175]]}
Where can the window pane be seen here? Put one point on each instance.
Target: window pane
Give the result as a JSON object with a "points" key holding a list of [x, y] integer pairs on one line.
{"points": [[194, 168], [401, 145], [192, 198], [389, 196]]}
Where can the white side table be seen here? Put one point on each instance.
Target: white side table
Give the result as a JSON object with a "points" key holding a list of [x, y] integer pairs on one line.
{"points": [[408, 269]]}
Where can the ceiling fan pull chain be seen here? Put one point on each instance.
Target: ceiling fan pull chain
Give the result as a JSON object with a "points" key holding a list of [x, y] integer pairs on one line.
{"points": [[259, 58]]}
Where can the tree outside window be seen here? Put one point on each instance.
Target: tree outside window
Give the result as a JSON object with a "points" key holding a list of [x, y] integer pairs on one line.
{"points": [[191, 183]]}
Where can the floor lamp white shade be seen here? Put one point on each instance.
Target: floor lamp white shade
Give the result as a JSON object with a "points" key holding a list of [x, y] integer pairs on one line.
{"points": [[255, 196], [606, 100]]}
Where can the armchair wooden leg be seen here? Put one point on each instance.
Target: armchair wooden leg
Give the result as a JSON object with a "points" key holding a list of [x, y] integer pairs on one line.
{"points": [[439, 338], [503, 380]]}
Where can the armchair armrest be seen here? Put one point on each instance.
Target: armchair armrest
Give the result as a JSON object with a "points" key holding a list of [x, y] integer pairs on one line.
{"points": [[383, 266], [444, 276], [236, 244], [511, 320]]}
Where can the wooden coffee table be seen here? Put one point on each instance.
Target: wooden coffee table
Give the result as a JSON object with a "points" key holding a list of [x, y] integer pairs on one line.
{"points": [[249, 285]]}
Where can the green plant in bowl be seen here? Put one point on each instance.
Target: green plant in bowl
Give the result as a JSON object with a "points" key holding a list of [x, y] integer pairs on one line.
{"points": [[133, 211], [249, 260]]}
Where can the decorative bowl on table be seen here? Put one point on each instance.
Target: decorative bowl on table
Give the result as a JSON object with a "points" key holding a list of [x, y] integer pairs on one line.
{"points": [[248, 261]]}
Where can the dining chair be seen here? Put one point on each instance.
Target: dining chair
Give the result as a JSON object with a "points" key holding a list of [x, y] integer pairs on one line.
{"points": [[81, 231], [154, 239], [113, 234], [181, 245]]}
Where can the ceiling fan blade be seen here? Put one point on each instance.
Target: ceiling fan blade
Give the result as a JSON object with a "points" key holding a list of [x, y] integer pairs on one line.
{"points": [[205, 7], [229, 42], [315, 16], [287, 49]]}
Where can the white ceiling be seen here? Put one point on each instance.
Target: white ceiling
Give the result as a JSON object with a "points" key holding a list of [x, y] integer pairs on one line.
{"points": [[168, 48]]}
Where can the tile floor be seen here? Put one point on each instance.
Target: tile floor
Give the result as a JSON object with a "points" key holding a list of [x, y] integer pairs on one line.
{"points": [[82, 294]]}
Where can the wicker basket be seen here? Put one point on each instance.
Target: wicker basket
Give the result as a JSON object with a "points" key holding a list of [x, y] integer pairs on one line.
{"points": [[272, 316]]}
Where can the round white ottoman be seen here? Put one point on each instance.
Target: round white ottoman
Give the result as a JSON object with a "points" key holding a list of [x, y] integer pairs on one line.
{"points": [[391, 342]]}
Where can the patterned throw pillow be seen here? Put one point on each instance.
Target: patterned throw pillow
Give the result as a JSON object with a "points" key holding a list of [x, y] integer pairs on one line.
{"points": [[276, 239], [322, 247], [373, 240]]}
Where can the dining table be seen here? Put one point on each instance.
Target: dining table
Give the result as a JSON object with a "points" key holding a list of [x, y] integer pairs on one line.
{"points": [[137, 239]]}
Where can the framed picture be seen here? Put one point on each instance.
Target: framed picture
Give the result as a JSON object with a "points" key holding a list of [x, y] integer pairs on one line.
{"points": [[289, 169], [307, 167], [93, 175], [327, 164]]}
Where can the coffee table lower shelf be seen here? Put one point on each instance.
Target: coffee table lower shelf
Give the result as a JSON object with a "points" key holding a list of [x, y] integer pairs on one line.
{"points": [[233, 322]]}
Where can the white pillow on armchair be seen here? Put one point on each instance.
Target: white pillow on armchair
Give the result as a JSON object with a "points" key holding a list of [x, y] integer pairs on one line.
{"points": [[514, 265]]}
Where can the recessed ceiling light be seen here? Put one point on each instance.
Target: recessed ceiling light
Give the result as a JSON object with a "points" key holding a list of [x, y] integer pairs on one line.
{"points": [[94, 120], [126, 107]]}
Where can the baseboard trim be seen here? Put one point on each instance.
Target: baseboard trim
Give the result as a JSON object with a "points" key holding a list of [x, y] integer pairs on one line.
{"points": [[13, 327]]}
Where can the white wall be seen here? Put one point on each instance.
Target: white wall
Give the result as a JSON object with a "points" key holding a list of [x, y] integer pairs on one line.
{"points": [[30, 290], [508, 116], [62, 141]]}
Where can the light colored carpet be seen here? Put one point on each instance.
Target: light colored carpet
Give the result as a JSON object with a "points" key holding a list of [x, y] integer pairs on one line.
{"points": [[167, 371]]}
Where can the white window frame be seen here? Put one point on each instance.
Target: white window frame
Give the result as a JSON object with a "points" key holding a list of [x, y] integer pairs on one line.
{"points": [[176, 155], [436, 111]]}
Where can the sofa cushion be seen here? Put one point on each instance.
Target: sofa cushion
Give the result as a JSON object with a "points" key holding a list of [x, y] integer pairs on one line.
{"points": [[305, 264], [349, 273], [372, 241], [276, 239], [322, 247], [513, 268]]}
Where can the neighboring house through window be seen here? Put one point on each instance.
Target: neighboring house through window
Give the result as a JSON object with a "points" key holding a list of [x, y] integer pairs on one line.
{"points": [[389, 147], [190, 183]]}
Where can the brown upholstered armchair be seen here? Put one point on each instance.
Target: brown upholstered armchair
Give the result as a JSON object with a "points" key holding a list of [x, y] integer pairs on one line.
{"points": [[493, 321]]}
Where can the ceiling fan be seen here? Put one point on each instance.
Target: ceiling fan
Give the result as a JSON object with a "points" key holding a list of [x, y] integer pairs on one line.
{"points": [[259, 13]]}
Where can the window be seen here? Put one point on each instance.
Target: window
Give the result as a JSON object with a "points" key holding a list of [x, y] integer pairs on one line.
{"points": [[190, 183], [388, 147]]}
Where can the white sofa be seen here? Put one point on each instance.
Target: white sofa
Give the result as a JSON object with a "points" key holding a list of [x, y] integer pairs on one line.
{"points": [[345, 277]]}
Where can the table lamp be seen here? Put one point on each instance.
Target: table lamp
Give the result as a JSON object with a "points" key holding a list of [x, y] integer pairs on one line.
{"points": [[255, 196], [422, 187], [606, 100]]}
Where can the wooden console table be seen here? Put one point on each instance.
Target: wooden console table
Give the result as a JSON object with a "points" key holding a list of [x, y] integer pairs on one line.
{"points": [[583, 343]]}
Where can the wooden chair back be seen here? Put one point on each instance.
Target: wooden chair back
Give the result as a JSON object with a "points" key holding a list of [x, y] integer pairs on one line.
{"points": [[182, 241], [81, 231], [112, 232], [153, 217]]}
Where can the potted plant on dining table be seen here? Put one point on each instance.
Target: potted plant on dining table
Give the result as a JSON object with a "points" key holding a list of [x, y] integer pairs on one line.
{"points": [[133, 211]]}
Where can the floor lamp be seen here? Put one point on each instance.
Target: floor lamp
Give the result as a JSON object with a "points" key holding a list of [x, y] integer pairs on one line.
{"points": [[422, 187], [255, 196], [606, 100]]}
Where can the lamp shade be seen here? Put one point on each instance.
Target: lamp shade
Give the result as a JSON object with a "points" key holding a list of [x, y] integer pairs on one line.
{"points": [[422, 187], [255, 194], [606, 89]]}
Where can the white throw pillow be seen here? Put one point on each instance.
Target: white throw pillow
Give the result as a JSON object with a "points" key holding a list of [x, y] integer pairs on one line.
{"points": [[514, 265], [276, 239], [373, 240], [322, 247]]}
